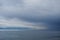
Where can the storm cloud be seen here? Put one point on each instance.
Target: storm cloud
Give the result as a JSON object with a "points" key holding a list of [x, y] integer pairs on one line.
{"points": [[32, 13]]}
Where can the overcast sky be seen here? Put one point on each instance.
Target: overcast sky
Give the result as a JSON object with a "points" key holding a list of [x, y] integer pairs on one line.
{"points": [[39, 14]]}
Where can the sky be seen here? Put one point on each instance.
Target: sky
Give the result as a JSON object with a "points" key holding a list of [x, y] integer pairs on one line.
{"points": [[37, 14]]}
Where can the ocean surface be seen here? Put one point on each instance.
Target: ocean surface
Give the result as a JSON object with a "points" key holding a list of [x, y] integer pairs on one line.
{"points": [[29, 35]]}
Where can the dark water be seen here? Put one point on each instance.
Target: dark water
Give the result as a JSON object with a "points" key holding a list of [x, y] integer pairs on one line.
{"points": [[30, 35]]}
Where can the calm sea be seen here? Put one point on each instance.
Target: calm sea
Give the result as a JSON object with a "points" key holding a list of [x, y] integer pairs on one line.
{"points": [[29, 35]]}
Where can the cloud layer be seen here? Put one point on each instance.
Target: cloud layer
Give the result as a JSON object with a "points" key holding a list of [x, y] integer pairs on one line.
{"points": [[32, 13]]}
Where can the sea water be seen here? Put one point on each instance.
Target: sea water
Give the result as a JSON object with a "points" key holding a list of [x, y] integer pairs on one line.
{"points": [[29, 35]]}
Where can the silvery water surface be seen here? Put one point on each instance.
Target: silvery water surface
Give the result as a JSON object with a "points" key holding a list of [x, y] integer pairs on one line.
{"points": [[29, 35]]}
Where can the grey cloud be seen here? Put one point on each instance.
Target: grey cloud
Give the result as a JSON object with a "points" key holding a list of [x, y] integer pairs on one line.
{"points": [[10, 2], [46, 11]]}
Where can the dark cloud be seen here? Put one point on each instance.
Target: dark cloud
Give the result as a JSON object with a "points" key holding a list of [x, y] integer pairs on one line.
{"points": [[47, 12]]}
